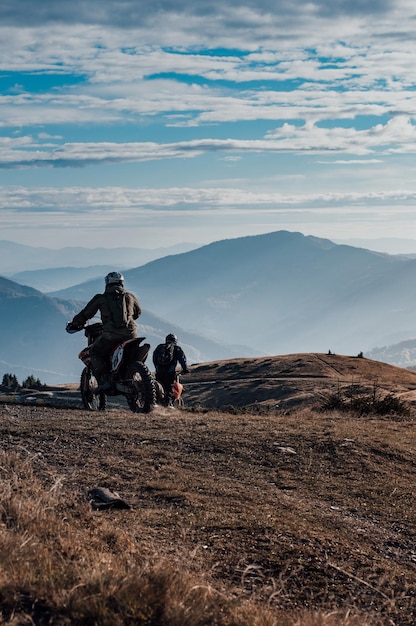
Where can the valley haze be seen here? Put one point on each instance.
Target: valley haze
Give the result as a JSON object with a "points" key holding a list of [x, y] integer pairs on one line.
{"points": [[277, 293]]}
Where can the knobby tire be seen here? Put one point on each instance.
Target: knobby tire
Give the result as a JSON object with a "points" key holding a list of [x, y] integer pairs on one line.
{"points": [[90, 400], [143, 396]]}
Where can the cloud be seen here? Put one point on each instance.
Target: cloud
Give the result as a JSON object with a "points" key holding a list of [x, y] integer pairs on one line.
{"points": [[119, 82], [118, 201], [195, 105], [213, 22], [103, 82], [133, 12], [397, 135], [353, 162], [54, 217]]}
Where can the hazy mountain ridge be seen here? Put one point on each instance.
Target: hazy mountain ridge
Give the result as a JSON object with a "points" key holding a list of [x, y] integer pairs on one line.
{"points": [[277, 293], [16, 257], [280, 292], [402, 354], [33, 338], [11, 289], [389, 245], [31, 325], [56, 278]]}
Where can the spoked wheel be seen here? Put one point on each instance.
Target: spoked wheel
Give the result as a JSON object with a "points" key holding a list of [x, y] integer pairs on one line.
{"points": [[143, 391], [160, 394], [90, 400]]}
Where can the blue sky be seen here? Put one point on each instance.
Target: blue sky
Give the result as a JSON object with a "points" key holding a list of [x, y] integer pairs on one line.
{"points": [[152, 123]]}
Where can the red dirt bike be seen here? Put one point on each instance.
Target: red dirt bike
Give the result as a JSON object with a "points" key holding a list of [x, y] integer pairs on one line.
{"points": [[130, 377]]}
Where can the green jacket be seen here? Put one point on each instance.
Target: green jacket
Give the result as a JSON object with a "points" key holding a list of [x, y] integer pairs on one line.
{"points": [[118, 309]]}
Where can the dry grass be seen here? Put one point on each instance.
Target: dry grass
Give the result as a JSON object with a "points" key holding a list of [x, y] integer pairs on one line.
{"points": [[60, 566], [292, 518]]}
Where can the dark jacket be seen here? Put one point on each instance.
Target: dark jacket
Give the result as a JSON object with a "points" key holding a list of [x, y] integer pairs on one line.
{"points": [[108, 303], [178, 357]]}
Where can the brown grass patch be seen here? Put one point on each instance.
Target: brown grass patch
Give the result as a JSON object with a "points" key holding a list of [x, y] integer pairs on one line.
{"points": [[290, 518]]}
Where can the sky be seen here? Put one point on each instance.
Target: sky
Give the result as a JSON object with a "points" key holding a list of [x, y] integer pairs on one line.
{"points": [[151, 123]]}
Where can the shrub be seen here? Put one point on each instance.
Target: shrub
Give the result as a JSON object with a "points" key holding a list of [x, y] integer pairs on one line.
{"points": [[32, 383], [10, 382], [359, 399]]}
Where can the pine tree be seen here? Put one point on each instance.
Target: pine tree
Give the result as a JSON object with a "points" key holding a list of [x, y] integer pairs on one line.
{"points": [[32, 383], [10, 382]]}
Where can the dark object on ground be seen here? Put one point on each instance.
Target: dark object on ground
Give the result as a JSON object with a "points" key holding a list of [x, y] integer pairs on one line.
{"points": [[103, 498]]}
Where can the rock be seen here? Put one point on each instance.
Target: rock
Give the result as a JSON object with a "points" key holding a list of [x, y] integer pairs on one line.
{"points": [[102, 498]]}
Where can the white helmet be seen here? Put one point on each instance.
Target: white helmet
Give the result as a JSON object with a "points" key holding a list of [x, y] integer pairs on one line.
{"points": [[114, 277]]}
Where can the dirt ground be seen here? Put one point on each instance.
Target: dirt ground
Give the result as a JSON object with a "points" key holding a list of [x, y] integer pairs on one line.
{"points": [[298, 507]]}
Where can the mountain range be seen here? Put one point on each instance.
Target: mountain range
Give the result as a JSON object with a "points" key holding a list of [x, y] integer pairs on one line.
{"points": [[15, 258], [390, 245], [31, 325], [278, 293], [33, 338], [402, 353]]}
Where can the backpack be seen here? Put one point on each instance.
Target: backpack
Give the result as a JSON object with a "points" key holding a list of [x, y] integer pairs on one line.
{"points": [[117, 304], [164, 355]]}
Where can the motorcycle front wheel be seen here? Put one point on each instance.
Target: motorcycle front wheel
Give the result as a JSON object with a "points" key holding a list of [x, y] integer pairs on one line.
{"points": [[178, 403], [143, 392], [88, 385]]}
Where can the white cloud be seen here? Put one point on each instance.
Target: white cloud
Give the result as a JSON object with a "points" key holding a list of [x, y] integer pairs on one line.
{"points": [[54, 217], [303, 79], [131, 12], [119, 201], [397, 135], [367, 81]]}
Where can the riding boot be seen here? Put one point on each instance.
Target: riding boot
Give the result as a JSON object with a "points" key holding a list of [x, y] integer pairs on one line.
{"points": [[169, 401]]}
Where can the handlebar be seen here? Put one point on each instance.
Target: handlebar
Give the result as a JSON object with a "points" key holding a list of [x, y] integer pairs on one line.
{"points": [[70, 328]]}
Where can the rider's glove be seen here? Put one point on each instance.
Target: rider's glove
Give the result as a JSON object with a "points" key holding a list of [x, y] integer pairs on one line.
{"points": [[71, 328]]}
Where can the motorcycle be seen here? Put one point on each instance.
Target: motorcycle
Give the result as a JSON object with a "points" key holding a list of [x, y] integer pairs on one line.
{"points": [[177, 389], [129, 375]]}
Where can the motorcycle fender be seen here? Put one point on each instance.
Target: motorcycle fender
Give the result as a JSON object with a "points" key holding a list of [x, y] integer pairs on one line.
{"points": [[177, 389], [118, 353]]}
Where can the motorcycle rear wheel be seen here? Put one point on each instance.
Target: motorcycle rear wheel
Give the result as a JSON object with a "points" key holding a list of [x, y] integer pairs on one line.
{"points": [[88, 385], [143, 391]]}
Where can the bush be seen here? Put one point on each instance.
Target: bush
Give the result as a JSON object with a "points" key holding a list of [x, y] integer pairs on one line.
{"points": [[32, 383], [359, 399], [10, 382]]}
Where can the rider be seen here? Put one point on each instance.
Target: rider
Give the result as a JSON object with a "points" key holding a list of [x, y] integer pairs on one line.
{"points": [[118, 309], [165, 358]]}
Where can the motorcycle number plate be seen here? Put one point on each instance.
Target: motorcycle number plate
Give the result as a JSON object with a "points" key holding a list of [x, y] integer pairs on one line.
{"points": [[117, 357]]}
